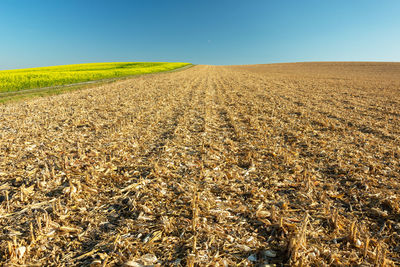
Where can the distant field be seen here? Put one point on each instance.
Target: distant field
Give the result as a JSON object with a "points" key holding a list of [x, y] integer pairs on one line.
{"points": [[22, 79]]}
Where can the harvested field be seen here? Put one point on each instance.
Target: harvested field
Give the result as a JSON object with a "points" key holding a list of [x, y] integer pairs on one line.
{"points": [[293, 164]]}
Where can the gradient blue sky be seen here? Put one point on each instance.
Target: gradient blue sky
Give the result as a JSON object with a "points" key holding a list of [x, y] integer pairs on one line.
{"points": [[54, 32]]}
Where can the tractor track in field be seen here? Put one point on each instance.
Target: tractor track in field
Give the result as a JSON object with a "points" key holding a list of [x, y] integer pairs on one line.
{"points": [[213, 165]]}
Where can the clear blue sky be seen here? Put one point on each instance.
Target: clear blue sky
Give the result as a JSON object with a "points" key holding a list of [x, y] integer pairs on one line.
{"points": [[54, 32]]}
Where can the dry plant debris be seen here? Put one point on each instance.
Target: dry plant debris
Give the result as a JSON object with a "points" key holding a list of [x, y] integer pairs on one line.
{"points": [[266, 165]]}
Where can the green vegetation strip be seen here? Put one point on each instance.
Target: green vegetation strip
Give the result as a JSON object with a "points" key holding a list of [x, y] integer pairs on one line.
{"points": [[33, 78]]}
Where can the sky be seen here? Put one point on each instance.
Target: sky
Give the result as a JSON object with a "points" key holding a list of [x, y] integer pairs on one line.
{"points": [[37, 33]]}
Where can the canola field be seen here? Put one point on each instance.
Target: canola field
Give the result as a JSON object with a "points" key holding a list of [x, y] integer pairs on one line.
{"points": [[22, 79]]}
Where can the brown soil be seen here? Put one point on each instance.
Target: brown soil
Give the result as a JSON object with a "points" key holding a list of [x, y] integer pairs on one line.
{"points": [[295, 164]]}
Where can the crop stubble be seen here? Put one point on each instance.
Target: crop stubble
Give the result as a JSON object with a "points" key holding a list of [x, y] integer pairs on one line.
{"points": [[285, 163]]}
